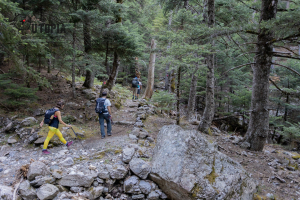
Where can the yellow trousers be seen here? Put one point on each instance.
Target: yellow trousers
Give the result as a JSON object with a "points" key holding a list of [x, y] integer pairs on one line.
{"points": [[53, 131]]}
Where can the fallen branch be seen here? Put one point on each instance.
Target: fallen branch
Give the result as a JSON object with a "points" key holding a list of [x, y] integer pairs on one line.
{"points": [[16, 188], [2, 71]]}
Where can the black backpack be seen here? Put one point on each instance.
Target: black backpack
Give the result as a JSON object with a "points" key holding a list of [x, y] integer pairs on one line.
{"points": [[135, 83], [49, 115], [100, 108]]}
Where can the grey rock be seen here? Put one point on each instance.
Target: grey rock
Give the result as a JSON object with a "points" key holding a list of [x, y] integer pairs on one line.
{"points": [[38, 112], [150, 139], [95, 183], [132, 137], [145, 187], [40, 140], [99, 180], [163, 196], [33, 137], [8, 127], [6, 192], [67, 162], [124, 123], [41, 180], [117, 171], [131, 185], [139, 124], [36, 168], [245, 145], [95, 192], [143, 134], [76, 189], [89, 94], [153, 196], [127, 154], [135, 131], [29, 121], [57, 174], [47, 191], [62, 188], [103, 174], [73, 105], [11, 141], [176, 168], [139, 167], [138, 196], [26, 191], [76, 180]]}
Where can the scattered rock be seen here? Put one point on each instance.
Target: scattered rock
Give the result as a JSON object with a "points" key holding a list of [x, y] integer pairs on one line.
{"points": [[127, 154], [150, 139], [131, 185], [153, 196], [132, 137], [11, 140], [76, 180], [41, 140], [145, 187], [29, 121], [95, 192], [124, 123], [103, 174], [41, 180], [139, 167], [138, 196], [135, 131], [47, 191], [67, 162], [6, 192], [76, 189], [38, 112], [36, 168], [117, 171], [26, 191]]}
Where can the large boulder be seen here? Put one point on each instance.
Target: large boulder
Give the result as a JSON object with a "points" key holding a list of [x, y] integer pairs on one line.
{"points": [[27, 192], [47, 191], [6, 192], [140, 168], [186, 166], [76, 180], [131, 185], [36, 168]]}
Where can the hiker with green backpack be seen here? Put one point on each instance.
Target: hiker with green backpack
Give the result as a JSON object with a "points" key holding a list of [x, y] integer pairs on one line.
{"points": [[53, 118], [135, 85]]}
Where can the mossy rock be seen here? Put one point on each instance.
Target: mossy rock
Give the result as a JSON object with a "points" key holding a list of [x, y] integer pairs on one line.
{"points": [[296, 157]]}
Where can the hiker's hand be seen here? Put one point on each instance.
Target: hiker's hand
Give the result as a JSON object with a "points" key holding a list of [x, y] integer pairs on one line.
{"points": [[41, 124], [69, 126]]}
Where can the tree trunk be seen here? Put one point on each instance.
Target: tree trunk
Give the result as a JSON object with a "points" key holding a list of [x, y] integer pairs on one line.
{"points": [[73, 62], [192, 96], [259, 115], [150, 84], [167, 76], [49, 66], [106, 60], [172, 85], [287, 101], [114, 73], [178, 96], [89, 78], [209, 110]]}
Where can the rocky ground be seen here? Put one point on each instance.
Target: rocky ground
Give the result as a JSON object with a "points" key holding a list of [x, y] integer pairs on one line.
{"points": [[118, 167]]}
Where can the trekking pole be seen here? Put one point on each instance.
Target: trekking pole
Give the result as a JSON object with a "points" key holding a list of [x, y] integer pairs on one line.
{"points": [[112, 122], [77, 136]]}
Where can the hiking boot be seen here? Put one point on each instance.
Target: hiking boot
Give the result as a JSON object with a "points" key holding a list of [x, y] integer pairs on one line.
{"points": [[69, 143], [46, 152], [132, 97], [108, 134], [102, 137]]}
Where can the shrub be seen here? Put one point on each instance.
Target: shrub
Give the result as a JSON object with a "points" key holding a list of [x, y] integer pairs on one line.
{"points": [[163, 100]]}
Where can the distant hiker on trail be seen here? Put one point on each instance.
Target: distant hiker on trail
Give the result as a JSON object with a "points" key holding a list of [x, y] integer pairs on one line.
{"points": [[135, 84], [103, 108], [52, 118], [139, 88]]}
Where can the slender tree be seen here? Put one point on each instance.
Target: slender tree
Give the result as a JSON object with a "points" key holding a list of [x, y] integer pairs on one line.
{"points": [[150, 84], [210, 80]]}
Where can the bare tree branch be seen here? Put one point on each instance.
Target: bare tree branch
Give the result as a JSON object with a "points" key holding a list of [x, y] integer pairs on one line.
{"points": [[287, 68], [284, 92], [282, 56], [236, 68], [287, 49]]}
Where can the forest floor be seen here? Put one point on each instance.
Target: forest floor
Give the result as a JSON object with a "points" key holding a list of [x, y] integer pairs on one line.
{"points": [[274, 168]]}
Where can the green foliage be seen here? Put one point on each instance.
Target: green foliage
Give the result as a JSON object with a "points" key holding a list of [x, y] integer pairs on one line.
{"points": [[18, 95], [291, 131], [163, 100], [68, 119]]}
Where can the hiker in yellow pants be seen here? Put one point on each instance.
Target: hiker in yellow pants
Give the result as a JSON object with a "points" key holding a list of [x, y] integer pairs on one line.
{"points": [[53, 127]]}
